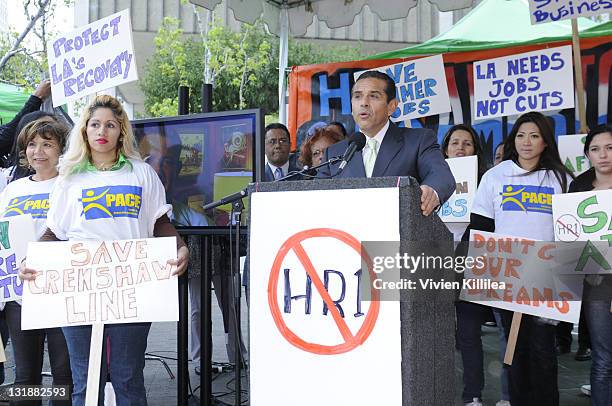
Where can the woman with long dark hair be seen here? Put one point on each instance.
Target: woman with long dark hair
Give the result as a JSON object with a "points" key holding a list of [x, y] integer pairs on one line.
{"points": [[461, 140], [597, 292], [531, 164]]}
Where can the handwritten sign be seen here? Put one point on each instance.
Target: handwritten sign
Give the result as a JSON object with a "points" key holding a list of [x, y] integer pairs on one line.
{"points": [[420, 87], [458, 207], [544, 11], [92, 58], [306, 309], [518, 275], [585, 217], [571, 150], [533, 81], [88, 282], [15, 233]]}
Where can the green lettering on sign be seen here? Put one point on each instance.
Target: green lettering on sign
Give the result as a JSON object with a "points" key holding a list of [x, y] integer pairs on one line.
{"points": [[600, 216], [4, 235], [590, 251]]}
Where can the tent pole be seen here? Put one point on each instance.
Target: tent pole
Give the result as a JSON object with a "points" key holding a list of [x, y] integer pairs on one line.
{"points": [[578, 76], [282, 63]]}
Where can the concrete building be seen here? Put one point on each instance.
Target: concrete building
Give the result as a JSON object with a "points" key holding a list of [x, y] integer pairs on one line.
{"points": [[3, 16], [422, 23]]}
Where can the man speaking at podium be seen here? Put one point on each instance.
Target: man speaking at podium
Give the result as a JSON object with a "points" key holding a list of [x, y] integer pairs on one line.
{"points": [[390, 150]]}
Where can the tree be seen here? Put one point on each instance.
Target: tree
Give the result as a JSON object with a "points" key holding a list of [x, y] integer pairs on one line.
{"points": [[43, 6], [241, 66], [176, 62], [23, 56]]}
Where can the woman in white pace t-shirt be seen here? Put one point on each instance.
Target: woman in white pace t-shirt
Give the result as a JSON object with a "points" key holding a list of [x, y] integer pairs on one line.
{"points": [[42, 142], [515, 198], [102, 159]]}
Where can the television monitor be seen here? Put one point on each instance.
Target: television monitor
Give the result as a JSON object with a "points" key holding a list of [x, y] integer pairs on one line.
{"points": [[201, 158]]}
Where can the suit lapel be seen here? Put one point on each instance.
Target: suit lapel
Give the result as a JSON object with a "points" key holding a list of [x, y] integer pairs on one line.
{"points": [[269, 176], [355, 166], [390, 147]]}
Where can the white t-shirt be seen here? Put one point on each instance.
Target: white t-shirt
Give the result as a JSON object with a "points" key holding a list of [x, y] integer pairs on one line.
{"points": [[27, 196], [114, 205], [521, 205]]}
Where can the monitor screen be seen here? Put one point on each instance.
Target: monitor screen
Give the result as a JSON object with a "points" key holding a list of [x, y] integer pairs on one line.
{"points": [[201, 158]]}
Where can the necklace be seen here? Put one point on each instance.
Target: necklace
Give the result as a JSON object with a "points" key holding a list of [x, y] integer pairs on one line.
{"points": [[104, 166]]}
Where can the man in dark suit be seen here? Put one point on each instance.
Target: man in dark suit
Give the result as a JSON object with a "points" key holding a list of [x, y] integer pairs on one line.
{"points": [[277, 145], [390, 150]]}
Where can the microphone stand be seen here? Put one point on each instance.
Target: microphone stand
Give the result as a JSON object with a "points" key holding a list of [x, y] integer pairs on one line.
{"points": [[244, 192], [235, 199]]}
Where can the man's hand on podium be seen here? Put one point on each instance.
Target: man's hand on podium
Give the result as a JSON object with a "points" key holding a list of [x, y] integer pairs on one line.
{"points": [[429, 200]]}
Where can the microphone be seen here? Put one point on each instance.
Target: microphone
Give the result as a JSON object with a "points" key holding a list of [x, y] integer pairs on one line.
{"points": [[312, 172], [356, 143], [227, 199]]}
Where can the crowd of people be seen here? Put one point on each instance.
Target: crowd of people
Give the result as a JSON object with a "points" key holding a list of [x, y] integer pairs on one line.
{"points": [[529, 156], [56, 165], [48, 159]]}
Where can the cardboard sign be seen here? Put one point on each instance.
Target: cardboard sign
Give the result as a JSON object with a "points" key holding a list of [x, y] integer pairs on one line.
{"points": [[89, 282], [420, 87], [458, 207], [533, 81], [585, 217], [544, 11], [300, 267], [15, 233], [571, 150], [92, 58], [519, 275]]}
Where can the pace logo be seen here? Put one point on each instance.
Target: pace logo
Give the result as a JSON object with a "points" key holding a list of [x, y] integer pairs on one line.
{"points": [[527, 198], [35, 205], [111, 201]]}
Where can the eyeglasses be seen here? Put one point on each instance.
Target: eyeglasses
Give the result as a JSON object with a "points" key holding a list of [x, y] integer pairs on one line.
{"points": [[274, 141]]}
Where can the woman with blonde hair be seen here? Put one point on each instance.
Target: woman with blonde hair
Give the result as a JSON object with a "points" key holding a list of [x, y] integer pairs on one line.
{"points": [[102, 156]]}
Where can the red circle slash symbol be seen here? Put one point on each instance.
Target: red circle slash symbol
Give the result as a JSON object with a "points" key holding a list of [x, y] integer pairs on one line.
{"points": [[350, 341]]}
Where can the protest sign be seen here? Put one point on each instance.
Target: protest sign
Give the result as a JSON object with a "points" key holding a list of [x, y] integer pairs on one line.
{"points": [[519, 275], [458, 207], [92, 58], [421, 88], [15, 233], [584, 217], [571, 150], [306, 309], [89, 282], [544, 11], [533, 81]]}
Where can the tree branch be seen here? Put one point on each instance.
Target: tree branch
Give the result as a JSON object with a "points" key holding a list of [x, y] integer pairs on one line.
{"points": [[43, 4]]}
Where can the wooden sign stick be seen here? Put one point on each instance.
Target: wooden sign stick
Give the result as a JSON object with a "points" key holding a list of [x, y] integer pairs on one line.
{"points": [[95, 364], [578, 76], [514, 330], [2, 354]]}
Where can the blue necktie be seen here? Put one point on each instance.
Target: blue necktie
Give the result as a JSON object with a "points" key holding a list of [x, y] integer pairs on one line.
{"points": [[278, 173]]}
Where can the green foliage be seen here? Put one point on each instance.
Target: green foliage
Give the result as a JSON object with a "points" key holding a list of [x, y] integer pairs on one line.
{"points": [[242, 67], [22, 69], [176, 61]]}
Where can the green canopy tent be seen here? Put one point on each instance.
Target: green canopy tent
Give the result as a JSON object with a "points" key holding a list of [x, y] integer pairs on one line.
{"points": [[498, 24], [12, 99]]}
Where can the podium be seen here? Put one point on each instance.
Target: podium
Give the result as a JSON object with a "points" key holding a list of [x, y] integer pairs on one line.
{"points": [[306, 349]]}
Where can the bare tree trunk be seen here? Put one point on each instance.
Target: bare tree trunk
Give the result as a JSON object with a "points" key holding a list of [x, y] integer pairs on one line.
{"points": [[243, 82], [204, 28], [42, 4]]}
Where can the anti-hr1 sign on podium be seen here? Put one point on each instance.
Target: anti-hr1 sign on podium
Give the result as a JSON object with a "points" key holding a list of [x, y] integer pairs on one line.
{"points": [[314, 338]]}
